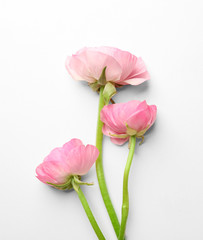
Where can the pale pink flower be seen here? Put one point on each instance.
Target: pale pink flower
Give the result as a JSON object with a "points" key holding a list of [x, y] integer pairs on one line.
{"points": [[122, 68], [73, 159], [123, 120]]}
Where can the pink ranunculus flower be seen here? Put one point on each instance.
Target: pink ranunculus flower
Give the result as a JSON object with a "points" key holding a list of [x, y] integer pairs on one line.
{"points": [[67, 162], [122, 68], [123, 120]]}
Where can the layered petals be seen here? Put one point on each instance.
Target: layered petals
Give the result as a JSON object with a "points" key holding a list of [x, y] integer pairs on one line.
{"points": [[122, 67], [114, 115], [52, 171], [123, 120], [87, 65], [72, 159]]}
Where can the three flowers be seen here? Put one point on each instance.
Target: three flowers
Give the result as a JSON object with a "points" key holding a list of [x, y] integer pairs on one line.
{"points": [[104, 69]]}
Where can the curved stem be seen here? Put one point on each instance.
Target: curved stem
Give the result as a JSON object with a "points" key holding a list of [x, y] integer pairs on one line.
{"points": [[88, 212], [125, 205], [100, 171]]}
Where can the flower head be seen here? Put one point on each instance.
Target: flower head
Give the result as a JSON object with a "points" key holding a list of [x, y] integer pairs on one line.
{"points": [[66, 163], [121, 67], [123, 120]]}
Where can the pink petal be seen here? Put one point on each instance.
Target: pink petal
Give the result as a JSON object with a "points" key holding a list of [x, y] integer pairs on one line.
{"points": [[42, 176], [153, 110], [78, 69], [96, 61], [81, 158], [139, 73], [138, 80], [142, 106], [133, 69], [56, 155], [67, 147], [139, 68], [127, 62], [115, 115], [91, 155], [53, 171], [88, 64], [119, 141], [108, 131], [140, 120], [110, 116]]}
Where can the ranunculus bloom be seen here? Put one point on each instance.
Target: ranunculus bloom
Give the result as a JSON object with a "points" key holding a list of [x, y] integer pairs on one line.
{"points": [[73, 159], [123, 120], [122, 68]]}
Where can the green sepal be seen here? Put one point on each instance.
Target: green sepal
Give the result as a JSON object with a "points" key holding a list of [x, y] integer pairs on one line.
{"points": [[75, 185], [119, 136], [133, 132], [130, 131], [95, 86], [109, 92], [102, 78], [142, 139], [141, 133], [67, 185], [76, 180], [73, 181]]}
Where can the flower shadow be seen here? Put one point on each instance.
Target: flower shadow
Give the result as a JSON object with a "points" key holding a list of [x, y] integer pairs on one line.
{"points": [[139, 89]]}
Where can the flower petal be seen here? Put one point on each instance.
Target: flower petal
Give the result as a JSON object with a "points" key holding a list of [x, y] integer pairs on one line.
{"points": [[96, 61], [81, 159], [56, 155], [52, 171], [43, 176], [140, 120], [139, 73], [78, 69], [134, 70], [88, 64], [115, 115], [119, 141], [137, 80], [108, 131], [67, 147], [90, 157], [127, 61], [153, 110]]}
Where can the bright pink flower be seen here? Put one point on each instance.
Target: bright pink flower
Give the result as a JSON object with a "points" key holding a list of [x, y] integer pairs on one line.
{"points": [[123, 120], [123, 68], [73, 159]]}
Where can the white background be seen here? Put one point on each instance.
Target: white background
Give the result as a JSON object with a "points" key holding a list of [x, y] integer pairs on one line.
{"points": [[41, 107]]}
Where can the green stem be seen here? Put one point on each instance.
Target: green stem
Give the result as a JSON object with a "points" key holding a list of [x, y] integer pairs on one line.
{"points": [[125, 205], [88, 212], [100, 171]]}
